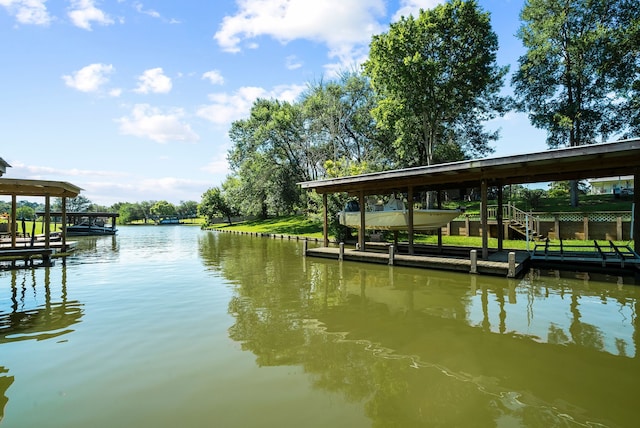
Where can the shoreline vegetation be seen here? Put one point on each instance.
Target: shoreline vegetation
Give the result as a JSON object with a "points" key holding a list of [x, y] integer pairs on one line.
{"points": [[306, 227]]}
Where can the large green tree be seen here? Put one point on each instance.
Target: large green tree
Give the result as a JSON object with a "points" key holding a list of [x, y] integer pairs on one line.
{"points": [[578, 73], [270, 155], [214, 204], [438, 81], [128, 212], [340, 124], [78, 204], [274, 129], [187, 209], [163, 209]]}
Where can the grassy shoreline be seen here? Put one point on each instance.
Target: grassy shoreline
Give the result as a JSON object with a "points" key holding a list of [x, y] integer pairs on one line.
{"points": [[304, 227]]}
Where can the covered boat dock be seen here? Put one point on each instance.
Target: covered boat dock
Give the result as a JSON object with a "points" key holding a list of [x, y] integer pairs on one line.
{"points": [[12, 247], [97, 223], [574, 163]]}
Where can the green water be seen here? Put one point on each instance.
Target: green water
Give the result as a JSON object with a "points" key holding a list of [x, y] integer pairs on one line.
{"points": [[170, 326]]}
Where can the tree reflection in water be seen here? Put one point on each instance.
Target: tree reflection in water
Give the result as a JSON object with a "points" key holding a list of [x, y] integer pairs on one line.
{"points": [[433, 348], [5, 383]]}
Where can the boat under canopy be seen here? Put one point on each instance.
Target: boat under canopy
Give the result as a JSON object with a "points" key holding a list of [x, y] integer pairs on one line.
{"points": [[394, 216], [90, 229], [88, 223]]}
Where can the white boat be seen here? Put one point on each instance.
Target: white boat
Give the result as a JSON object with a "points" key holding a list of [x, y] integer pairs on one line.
{"points": [[394, 216]]}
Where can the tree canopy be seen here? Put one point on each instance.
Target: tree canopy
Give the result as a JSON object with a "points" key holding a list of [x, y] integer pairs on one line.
{"points": [[437, 80], [214, 204], [577, 78], [580, 74]]}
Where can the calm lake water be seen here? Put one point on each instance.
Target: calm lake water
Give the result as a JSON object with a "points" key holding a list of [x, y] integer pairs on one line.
{"points": [[177, 327]]}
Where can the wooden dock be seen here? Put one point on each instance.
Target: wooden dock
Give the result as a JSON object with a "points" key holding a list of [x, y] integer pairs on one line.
{"points": [[598, 257], [508, 264], [30, 251], [10, 256]]}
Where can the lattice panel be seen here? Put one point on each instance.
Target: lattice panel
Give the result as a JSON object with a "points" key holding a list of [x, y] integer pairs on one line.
{"points": [[577, 217], [608, 217]]}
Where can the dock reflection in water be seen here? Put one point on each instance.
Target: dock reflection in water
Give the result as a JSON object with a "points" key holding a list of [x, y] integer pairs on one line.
{"points": [[182, 327], [440, 349], [33, 313]]}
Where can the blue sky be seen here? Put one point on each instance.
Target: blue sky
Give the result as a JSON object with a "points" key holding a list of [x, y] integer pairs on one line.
{"points": [[132, 100]]}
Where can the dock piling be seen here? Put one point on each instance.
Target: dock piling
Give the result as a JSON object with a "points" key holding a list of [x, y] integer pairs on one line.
{"points": [[474, 261], [511, 272]]}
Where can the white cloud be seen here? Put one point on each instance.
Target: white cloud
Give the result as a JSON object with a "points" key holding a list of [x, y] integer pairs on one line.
{"points": [[214, 77], [149, 122], [137, 189], [84, 12], [36, 172], [344, 26], [89, 78], [169, 186], [140, 8], [412, 7], [219, 166], [225, 108], [293, 63], [154, 80], [28, 11]]}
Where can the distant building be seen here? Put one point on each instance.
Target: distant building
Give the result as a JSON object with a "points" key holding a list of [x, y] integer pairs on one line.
{"points": [[605, 185], [3, 167]]}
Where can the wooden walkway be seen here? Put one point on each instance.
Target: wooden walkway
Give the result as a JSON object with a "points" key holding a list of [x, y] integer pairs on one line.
{"points": [[10, 256], [497, 264], [605, 258], [30, 251]]}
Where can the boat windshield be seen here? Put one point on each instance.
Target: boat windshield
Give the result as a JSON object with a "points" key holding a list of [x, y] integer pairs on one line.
{"points": [[394, 204]]}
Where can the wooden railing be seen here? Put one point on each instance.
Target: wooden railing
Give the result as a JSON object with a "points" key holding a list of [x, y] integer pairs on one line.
{"points": [[515, 215]]}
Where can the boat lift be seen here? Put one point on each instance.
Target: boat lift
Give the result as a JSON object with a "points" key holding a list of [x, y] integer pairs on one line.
{"points": [[611, 255]]}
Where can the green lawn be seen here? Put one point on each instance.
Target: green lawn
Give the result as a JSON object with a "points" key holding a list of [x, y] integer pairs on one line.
{"points": [[290, 225], [302, 226], [38, 227]]}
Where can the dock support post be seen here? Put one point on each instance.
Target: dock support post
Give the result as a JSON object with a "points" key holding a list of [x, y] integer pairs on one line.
{"points": [[511, 273], [499, 218], [585, 227], [619, 228], [341, 253], [474, 261], [305, 245], [325, 221], [484, 219], [391, 255], [635, 216], [410, 230], [361, 244]]}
